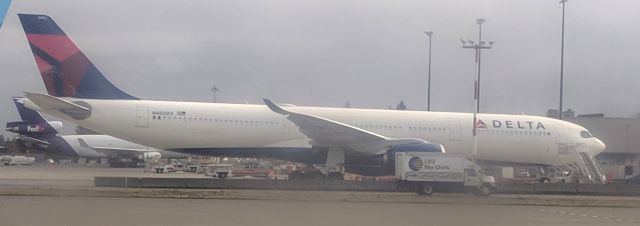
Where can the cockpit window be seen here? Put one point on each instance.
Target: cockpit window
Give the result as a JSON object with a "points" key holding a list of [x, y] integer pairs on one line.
{"points": [[585, 134]]}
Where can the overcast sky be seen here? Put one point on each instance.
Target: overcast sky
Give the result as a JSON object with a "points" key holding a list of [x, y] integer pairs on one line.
{"points": [[324, 53]]}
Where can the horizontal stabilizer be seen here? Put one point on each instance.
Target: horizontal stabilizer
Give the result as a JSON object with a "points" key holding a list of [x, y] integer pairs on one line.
{"points": [[47, 102], [33, 142]]}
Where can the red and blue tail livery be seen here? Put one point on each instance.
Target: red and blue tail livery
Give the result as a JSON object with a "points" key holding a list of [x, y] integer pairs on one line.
{"points": [[66, 71]]}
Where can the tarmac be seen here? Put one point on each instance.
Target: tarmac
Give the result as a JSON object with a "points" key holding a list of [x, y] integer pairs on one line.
{"points": [[66, 196]]}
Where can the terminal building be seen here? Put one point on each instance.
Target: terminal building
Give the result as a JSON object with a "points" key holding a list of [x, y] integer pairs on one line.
{"points": [[621, 158]]}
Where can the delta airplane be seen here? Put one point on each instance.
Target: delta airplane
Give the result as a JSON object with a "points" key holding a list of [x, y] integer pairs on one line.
{"points": [[38, 133], [363, 141]]}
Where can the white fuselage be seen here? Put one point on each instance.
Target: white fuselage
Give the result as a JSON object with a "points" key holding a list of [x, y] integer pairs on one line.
{"points": [[186, 125]]}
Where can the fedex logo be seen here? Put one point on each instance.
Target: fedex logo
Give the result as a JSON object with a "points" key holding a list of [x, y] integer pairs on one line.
{"points": [[35, 129]]}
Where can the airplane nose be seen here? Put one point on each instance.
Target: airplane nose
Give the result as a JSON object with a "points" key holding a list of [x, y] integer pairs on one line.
{"points": [[598, 147]]}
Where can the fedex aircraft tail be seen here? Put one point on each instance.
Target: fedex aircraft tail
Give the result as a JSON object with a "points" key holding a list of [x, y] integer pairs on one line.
{"points": [[4, 7], [32, 124], [65, 70]]}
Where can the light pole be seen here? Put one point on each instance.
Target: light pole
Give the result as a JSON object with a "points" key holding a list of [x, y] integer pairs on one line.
{"points": [[476, 85], [563, 2], [478, 50], [429, 33], [214, 90]]}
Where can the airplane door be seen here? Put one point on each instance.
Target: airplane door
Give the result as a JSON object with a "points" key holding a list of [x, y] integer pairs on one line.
{"points": [[564, 146], [454, 130], [142, 117]]}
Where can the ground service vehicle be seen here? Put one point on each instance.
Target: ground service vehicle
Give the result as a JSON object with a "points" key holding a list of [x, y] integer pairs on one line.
{"points": [[429, 171], [221, 171], [16, 160]]}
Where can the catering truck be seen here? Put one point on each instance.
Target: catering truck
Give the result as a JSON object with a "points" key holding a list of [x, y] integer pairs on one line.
{"points": [[428, 171]]}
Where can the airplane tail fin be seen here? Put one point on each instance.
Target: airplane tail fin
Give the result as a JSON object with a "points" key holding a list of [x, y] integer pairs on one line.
{"points": [[32, 124], [4, 7], [27, 114], [65, 70]]}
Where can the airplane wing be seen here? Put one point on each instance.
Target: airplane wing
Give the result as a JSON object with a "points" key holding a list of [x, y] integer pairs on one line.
{"points": [[33, 142], [114, 152], [48, 102], [329, 133], [119, 152]]}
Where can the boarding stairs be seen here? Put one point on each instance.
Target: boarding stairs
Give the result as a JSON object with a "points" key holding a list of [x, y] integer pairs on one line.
{"points": [[590, 169]]}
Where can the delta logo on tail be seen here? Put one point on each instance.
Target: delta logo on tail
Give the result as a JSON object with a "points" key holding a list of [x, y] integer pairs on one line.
{"points": [[4, 7], [66, 71]]}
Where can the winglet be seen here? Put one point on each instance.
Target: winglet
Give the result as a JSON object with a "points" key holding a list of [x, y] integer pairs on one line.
{"points": [[274, 107]]}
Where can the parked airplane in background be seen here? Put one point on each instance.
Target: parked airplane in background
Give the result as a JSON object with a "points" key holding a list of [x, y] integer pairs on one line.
{"points": [[4, 7], [364, 141], [39, 134]]}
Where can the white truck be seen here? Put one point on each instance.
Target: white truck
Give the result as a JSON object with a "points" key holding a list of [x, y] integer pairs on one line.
{"points": [[221, 171], [428, 171], [17, 160]]}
